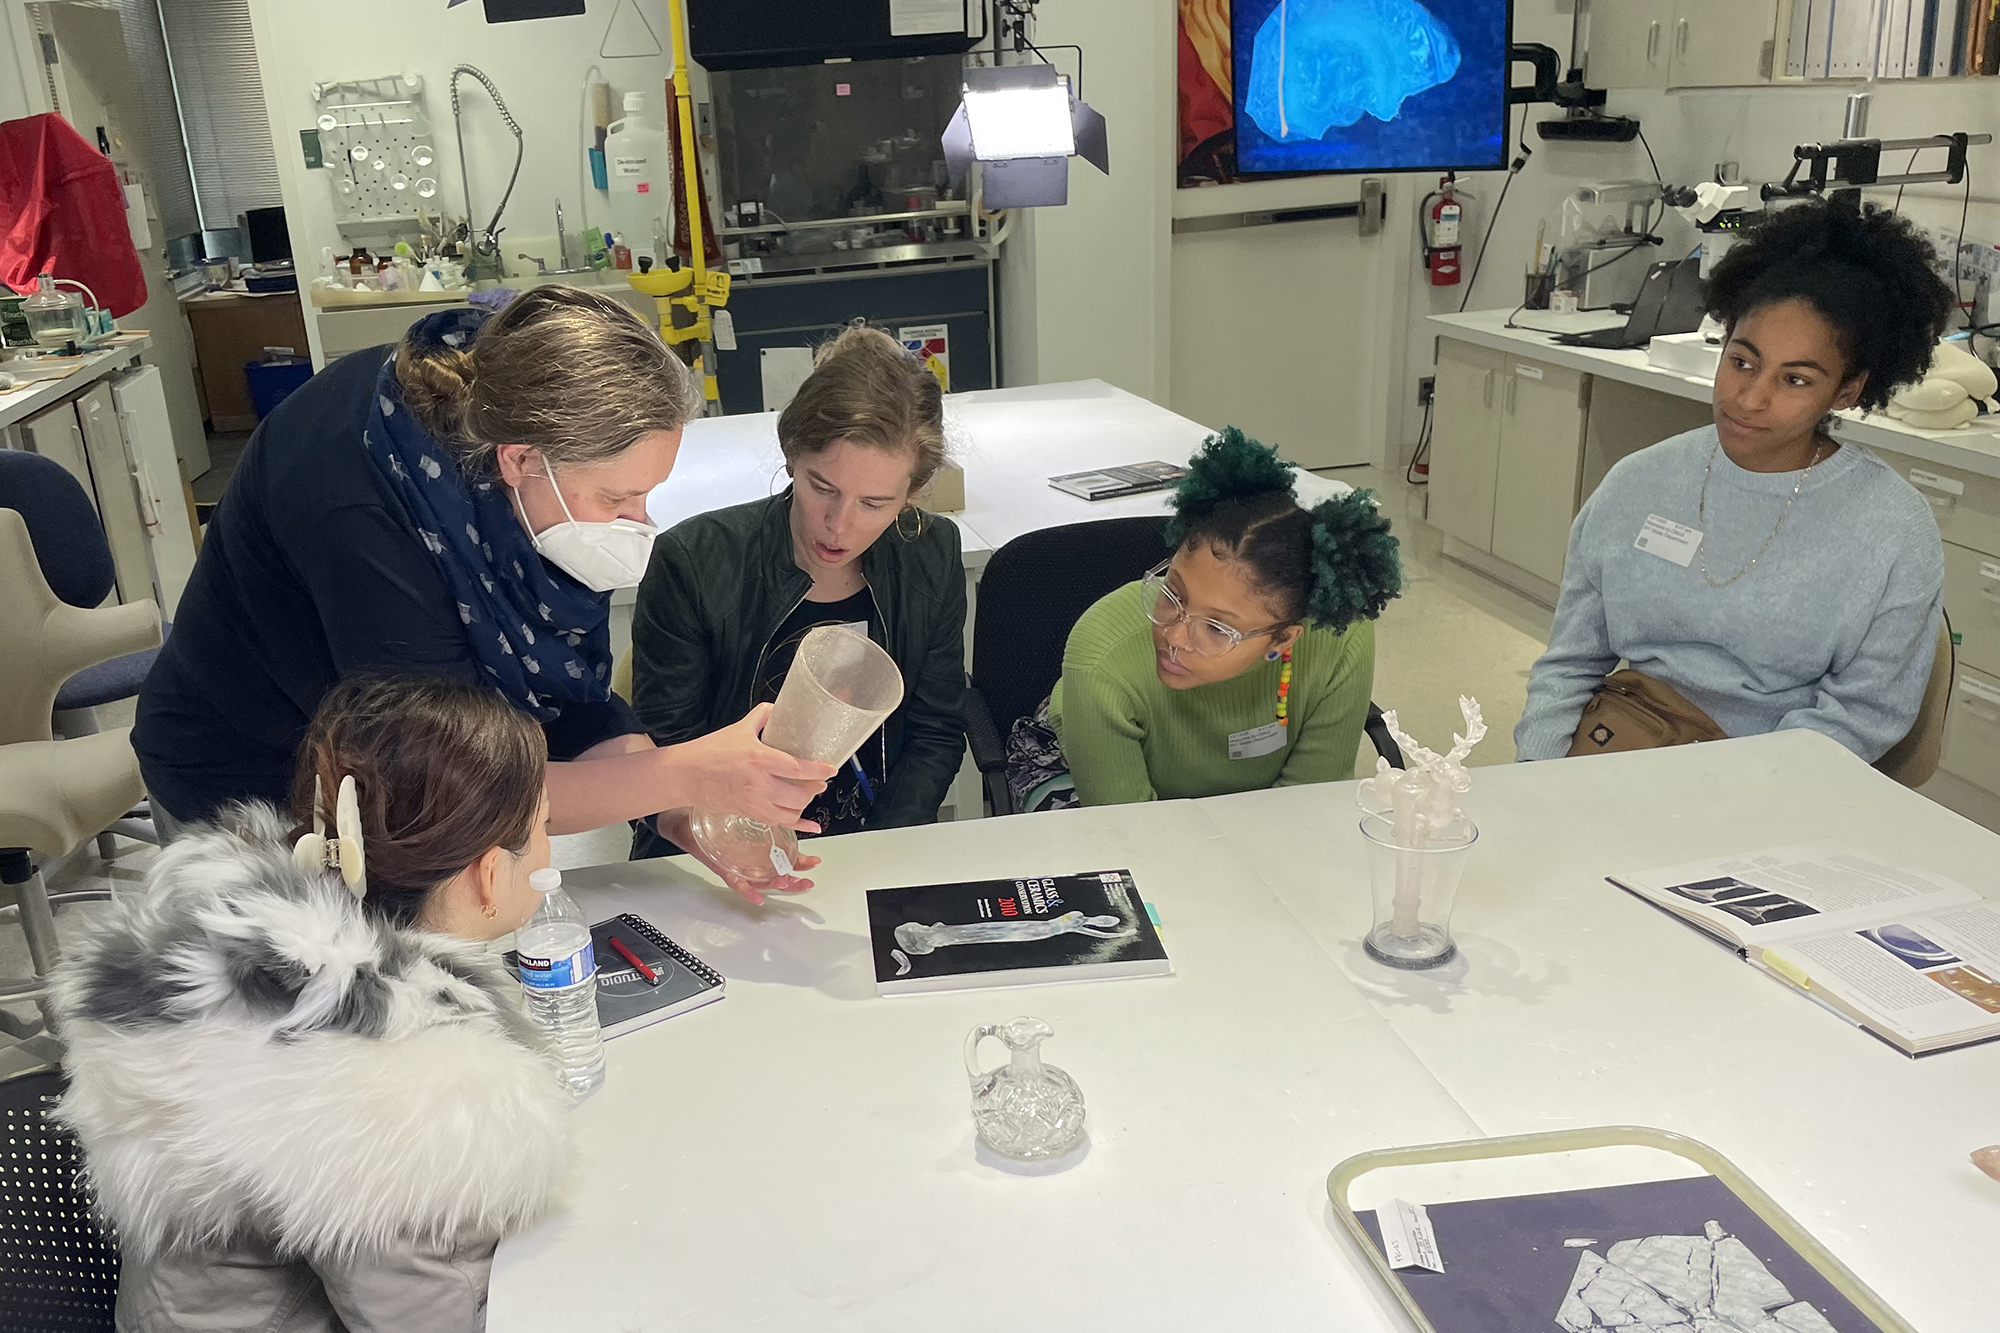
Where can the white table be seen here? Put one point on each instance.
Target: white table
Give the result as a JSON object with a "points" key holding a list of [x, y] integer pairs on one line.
{"points": [[801, 1155], [1579, 1004], [1009, 441], [1975, 447]]}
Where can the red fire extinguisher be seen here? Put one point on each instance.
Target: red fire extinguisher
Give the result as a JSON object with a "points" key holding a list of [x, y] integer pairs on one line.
{"points": [[1441, 234]]}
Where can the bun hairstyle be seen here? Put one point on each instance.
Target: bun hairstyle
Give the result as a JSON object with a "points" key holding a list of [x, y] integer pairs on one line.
{"points": [[576, 375], [445, 771], [1333, 564], [1868, 272], [866, 387]]}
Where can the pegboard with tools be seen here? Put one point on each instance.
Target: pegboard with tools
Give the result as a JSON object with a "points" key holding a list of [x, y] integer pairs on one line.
{"points": [[377, 148]]}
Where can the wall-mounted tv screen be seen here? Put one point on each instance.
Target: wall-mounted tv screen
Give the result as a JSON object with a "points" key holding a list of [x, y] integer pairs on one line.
{"points": [[1342, 85]]}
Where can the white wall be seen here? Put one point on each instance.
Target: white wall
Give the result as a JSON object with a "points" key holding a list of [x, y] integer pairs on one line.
{"points": [[22, 92], [1690, 132], [538, 65], [1085, 287]]}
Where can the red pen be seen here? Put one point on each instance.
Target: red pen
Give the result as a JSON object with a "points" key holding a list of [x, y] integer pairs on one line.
{"points": [[652, 977]]}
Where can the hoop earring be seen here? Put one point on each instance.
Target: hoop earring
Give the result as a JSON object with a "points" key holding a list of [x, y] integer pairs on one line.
{"points": [[910, 534]]}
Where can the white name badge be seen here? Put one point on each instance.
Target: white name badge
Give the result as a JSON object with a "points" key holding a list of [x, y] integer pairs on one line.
{"points": [[1256, 742], [1668, 540]]}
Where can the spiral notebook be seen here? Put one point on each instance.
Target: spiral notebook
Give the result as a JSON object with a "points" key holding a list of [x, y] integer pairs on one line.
{"points": [[626, 1001]]}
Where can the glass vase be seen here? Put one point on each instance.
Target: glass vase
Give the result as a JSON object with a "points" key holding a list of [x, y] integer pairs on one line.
{"points": [[1414, 882], [1023, 1109], [840, 687]]}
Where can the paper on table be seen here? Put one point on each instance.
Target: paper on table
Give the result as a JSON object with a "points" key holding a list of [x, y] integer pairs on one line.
{"points": [[1407, 1238], [1789, 893], [1922, 977], [913, 18]]}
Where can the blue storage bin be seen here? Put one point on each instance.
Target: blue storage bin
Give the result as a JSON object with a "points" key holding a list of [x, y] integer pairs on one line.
{"points": [[271, 382]]}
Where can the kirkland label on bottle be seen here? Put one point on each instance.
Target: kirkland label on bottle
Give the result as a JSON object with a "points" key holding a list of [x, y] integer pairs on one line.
{"points": [[559, 973]]}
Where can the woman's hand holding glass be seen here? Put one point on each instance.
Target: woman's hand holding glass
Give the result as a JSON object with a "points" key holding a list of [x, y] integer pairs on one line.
{"points": [[674, 826], [734, 771]]}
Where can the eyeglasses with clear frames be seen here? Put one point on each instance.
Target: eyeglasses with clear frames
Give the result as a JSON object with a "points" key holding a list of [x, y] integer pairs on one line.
{"points": [[1209, 638]]}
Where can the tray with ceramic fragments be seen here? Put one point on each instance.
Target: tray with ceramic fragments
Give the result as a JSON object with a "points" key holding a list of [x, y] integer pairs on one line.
{"points": [[1586, 1231]]}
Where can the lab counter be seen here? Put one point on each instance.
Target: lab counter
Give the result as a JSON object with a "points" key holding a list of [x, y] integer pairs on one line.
{"points": [[1524, 428], [349, 321]]}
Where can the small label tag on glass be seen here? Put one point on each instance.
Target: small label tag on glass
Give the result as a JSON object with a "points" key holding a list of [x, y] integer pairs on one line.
{"points": [[780, 862], [1256, 742], [1407, 1238], [1668, 540]]}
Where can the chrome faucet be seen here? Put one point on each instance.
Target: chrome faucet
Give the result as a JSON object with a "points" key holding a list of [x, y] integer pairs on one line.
{"points": [[542, 270]]}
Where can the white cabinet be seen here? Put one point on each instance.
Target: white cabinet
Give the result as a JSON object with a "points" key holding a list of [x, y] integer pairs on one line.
{"points": [[1465, 442], [1680, 43], [1542, 412], [1507, 454]]}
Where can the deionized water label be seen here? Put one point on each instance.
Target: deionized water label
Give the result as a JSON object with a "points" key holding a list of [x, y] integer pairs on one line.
{"points": [[559, 973]]}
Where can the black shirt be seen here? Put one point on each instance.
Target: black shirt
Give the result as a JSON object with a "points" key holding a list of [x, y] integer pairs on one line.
{"points": [[310, 569], [843, 807]]}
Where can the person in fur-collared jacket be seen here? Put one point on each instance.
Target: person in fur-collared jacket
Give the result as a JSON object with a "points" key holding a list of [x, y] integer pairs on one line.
{"points": [[307, 1110]]}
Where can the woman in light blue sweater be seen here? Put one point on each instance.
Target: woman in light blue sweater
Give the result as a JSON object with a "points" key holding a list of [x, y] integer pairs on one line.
{"points": [[1772, 575]]}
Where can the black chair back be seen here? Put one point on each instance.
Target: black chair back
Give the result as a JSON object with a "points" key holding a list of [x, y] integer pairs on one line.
{"points": [[58, 1271], [1031, 594], [70, 545]]}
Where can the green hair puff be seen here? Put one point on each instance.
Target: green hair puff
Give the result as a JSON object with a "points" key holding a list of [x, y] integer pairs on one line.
{"points": [[1228, 466], [1356, 564]]}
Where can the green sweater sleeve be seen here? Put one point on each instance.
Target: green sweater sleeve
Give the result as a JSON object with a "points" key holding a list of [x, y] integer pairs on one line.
{"points": [[1329, 732], [1101, 739]]}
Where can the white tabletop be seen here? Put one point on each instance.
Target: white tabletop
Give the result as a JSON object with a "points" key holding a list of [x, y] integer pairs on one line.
{"points": [[1578, 1004], [1975, 447], [1009, 441], [801, 1155]]}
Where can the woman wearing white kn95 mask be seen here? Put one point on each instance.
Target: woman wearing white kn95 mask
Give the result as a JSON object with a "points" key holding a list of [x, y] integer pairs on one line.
{"points": [[461, 504]]}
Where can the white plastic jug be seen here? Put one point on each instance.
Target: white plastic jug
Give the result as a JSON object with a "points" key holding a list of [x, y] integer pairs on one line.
{"points": [[639, 172]]}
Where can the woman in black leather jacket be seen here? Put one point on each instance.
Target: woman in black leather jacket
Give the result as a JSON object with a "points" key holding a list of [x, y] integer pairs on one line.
{"points": [[730, 593]]}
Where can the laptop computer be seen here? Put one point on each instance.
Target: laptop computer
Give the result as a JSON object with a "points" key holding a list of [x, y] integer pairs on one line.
{"points": [[1669, 301]]}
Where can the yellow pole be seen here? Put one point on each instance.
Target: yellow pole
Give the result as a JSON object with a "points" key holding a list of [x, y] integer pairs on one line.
{"points": [[690, 166]]}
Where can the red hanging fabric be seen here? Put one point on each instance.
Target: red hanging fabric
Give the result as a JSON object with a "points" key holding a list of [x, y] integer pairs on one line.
{"points": [[62, 210]]}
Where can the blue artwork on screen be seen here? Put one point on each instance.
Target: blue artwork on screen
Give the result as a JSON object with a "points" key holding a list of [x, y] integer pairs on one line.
{"points": [[1369, 85]]}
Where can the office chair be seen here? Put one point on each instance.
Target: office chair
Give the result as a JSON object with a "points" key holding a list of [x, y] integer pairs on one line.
{"points": [[58, 1270], [75, 560]]}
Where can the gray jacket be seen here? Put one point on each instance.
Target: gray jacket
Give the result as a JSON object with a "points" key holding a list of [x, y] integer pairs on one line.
{"points": [[299, 1118]]}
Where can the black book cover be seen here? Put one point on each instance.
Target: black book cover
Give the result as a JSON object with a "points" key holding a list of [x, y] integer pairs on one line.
{"points": [[1012, 932]]}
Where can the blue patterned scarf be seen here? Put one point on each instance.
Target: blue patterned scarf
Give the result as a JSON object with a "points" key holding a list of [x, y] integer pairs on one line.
{"points": [[543, 637]]}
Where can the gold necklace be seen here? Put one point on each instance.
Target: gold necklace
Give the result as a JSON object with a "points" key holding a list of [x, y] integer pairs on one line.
{"points": [[1701, 509]]}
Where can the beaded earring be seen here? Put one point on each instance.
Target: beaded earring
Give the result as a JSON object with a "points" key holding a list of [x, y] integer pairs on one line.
{"points": [[1284, 688]]}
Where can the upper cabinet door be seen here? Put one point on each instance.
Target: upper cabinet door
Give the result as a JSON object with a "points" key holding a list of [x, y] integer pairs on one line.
{"points": [[1722, 43], [1629, 44]]}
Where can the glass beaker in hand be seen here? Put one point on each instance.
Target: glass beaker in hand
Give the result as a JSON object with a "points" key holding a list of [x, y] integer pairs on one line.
{"points": [[1414, 881], [840, 688]]}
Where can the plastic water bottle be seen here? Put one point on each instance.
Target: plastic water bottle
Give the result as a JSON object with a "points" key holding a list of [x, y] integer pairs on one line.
{"points": [[641, 196], [559, 970]]}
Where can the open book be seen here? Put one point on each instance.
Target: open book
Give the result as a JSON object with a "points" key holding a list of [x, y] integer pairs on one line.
{"points": [[1912, 957]]}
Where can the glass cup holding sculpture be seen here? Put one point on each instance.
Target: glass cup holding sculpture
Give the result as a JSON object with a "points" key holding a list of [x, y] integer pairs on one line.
{"points": [[840, 688]]}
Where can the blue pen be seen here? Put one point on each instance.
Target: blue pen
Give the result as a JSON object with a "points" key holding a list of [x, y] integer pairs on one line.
{"points": [[867, 791]]}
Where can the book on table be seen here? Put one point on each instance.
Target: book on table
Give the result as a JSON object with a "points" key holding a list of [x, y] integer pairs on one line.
{"points": [[626, 1001], [1910, 956], [1113, 482], [1012, 932]]}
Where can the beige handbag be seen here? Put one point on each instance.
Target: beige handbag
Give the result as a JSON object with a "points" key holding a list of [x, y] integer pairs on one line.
{"points": [[1632, 711]]}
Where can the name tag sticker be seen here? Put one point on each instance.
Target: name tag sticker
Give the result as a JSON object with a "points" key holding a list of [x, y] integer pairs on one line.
{"points": [[1668, 540], [1256, 742]]}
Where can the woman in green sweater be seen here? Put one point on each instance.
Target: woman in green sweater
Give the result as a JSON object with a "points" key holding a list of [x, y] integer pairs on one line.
{"points": [[1243, 661]]}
